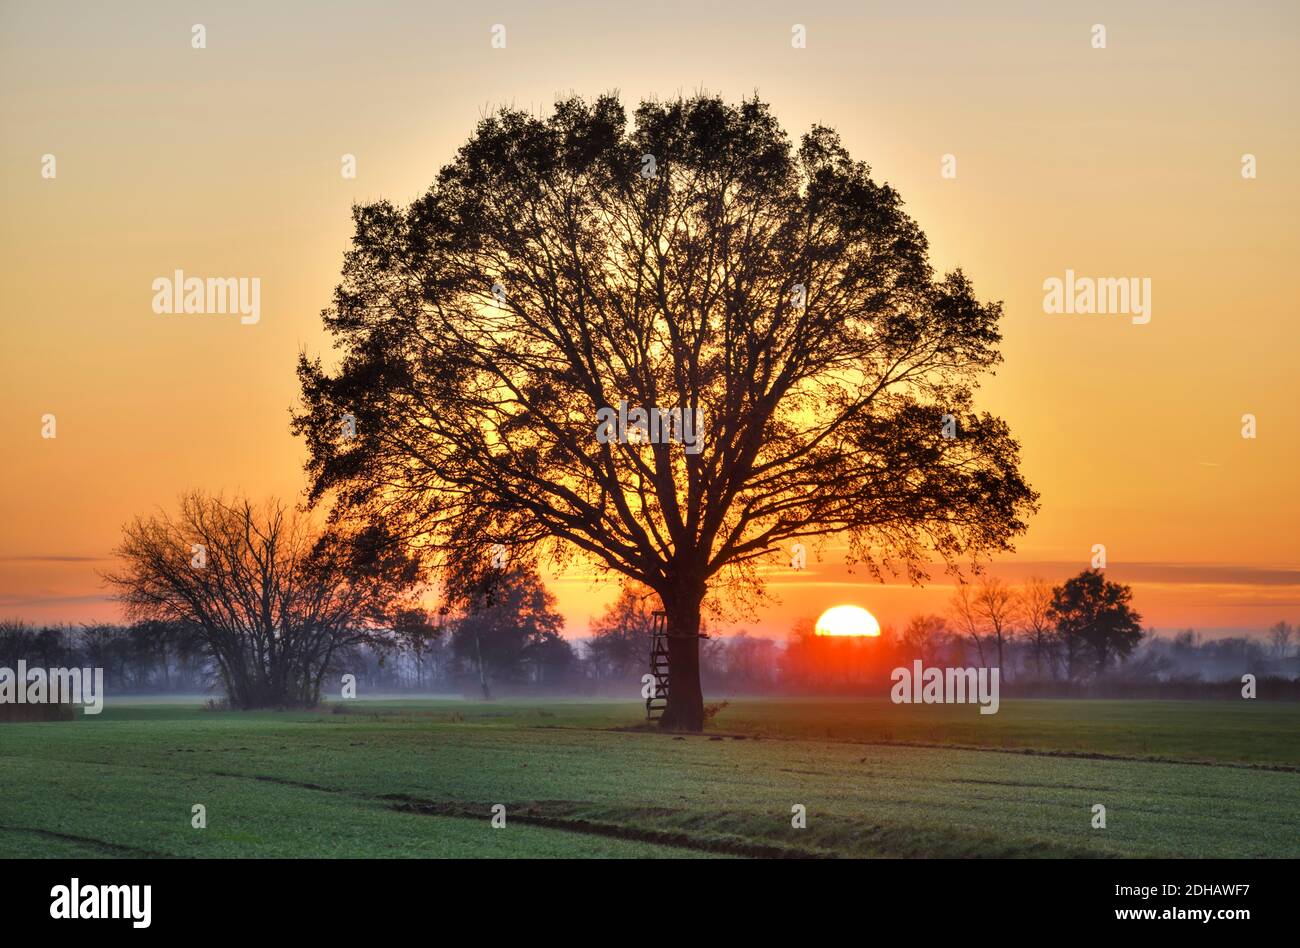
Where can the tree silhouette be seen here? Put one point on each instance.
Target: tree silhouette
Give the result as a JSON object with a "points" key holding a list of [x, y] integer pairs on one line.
{"points": [[511, 631], [1092, 612], [565, 266], [1036, 613], [621, 638], [272, 599]]}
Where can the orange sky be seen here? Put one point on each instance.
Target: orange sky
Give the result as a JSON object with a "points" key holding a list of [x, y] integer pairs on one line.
{"points": [[225, 162]]}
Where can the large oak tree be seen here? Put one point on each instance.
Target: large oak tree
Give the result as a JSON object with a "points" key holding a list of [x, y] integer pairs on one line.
{"points": [[695, 260]]}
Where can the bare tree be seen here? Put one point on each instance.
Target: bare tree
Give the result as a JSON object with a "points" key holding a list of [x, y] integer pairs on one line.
{"points": [[620, 638], [1279, 636], [750, 661], [926, 636], [964, 610], [998, 606], [986, 612], [1036, 614], [671, 350], [273, 599]]}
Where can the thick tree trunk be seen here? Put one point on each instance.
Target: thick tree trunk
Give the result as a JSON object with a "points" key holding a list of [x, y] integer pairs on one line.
{"points": [[685, 710]]}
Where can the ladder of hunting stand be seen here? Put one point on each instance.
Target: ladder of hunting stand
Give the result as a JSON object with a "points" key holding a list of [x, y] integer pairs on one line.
{"points": [[658, 700]]}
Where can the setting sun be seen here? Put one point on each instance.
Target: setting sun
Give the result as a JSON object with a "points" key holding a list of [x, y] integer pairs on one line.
{"points": [[847, 620]]}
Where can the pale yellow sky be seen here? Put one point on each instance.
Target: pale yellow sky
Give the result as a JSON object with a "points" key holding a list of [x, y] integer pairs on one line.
{"points": [[224, 161]]}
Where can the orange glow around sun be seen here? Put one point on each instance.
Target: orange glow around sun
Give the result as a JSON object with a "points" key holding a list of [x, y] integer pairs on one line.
{"points": [[847, 620]]}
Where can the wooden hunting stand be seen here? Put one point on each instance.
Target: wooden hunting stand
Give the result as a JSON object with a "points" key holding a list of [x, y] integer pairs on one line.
{"points": [[658, 700]]}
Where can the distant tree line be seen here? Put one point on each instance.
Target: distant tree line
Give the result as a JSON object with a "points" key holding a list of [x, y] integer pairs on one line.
{"points": [[143, 657], [1079, 637], [504, 637]]}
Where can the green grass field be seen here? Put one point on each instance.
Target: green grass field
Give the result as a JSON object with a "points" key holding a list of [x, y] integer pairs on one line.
{"points": [[419, 778]]}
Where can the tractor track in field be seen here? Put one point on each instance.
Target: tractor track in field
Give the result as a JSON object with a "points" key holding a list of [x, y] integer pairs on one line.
{"points": [[282, 781], [931, 745], [116, 849], [529, 815]]}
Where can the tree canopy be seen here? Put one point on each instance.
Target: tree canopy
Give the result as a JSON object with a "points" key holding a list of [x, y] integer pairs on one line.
{"points": [[1093, 614], [696, 261]]}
